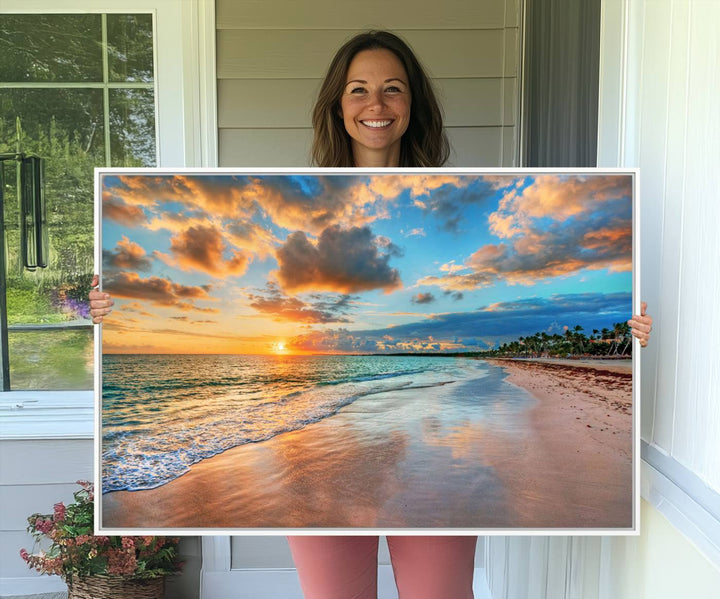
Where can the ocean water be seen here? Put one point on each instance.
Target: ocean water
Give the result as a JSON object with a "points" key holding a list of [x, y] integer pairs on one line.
{"points": [[163, 413]]}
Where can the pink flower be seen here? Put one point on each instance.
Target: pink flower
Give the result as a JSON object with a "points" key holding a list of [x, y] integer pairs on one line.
{"points": [[44, 526], [121, 562], [53, 565], [25, 555], [128, 543], [59, 509]]}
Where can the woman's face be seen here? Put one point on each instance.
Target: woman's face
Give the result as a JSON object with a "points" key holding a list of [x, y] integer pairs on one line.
{"points": [[375, 107]]}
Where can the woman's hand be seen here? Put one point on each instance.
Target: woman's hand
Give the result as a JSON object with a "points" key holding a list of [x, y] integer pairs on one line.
{"points": [[641, 325], [100, 303]]}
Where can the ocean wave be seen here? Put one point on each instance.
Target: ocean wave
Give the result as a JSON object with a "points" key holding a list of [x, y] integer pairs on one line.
{"points": [[144, 454], [374, 377]]}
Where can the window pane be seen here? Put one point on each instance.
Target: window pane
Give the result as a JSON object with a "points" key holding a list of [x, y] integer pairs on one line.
{"points": [[132, 127], [66, 127], [50, 48], [53, 118], [130, 47], [54, 359]]}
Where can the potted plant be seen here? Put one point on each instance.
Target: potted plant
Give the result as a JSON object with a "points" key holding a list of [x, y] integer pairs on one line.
{"points": [[98, 567]]}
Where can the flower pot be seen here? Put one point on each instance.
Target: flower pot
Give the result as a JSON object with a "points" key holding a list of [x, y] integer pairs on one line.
{"points": [[116, 587]]}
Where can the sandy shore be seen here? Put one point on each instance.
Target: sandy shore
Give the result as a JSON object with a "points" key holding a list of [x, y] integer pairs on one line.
{"points": [[556, 453], [579, 442]]}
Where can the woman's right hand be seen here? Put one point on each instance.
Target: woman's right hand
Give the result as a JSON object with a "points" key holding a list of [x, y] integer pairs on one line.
{"points": [[100, 303]]}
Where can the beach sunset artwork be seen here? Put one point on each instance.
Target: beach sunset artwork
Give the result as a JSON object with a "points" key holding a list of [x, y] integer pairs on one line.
{"points": [[387, 350]]}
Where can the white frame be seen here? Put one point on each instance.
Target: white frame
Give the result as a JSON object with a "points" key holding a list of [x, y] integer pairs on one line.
{"points": [[220, 547]]}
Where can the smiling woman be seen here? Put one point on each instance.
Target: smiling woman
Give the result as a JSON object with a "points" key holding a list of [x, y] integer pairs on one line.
{"points": [[375, 108], [376, 98]]}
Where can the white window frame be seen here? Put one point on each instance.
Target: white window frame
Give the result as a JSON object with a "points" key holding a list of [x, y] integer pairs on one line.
{"points": [[186, 129]]}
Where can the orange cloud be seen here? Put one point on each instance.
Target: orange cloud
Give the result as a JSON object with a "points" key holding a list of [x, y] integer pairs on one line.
{"points": [[422, 298], [344, 260], [127, 255], [556, 197], [556, 226], [202, 248], [291, 309], [155, 290], [120, 212]]}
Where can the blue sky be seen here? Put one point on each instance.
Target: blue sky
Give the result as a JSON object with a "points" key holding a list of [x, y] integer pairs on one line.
{"points": [[217, 263]]}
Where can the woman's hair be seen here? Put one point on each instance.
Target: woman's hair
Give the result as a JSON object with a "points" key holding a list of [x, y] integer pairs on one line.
{"points": [[423, 144]]}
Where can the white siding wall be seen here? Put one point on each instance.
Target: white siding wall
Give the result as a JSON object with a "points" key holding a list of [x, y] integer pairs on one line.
{"points": [[34, 475], [273, 552], [271, 57], [660, 85], [37, 473], [672, 133]]}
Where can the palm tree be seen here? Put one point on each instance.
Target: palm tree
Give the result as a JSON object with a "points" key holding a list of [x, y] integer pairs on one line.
{"points": [[624, 329], [579, 337]]}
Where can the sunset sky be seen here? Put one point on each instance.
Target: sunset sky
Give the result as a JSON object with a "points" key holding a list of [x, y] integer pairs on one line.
{"points": [[359, 263]]}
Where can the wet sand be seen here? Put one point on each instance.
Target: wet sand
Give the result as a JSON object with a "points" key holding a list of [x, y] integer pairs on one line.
{"points": [[577, 451], [556, 453]]}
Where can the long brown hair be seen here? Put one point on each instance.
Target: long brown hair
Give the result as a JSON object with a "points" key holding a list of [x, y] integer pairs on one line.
{"points": [[423, 144]]}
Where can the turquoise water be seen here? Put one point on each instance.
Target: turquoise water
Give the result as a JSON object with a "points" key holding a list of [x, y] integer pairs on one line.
{"points": [[163, 413]]}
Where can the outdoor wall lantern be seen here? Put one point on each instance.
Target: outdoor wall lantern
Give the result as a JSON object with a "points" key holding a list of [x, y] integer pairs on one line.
{"points": [[33, 211]]}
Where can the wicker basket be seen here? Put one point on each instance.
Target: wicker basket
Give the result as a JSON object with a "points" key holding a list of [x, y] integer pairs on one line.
{"points": [[116, 587]]}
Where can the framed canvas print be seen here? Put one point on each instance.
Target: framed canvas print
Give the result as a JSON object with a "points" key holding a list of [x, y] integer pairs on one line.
{"points": [[369, 351]]}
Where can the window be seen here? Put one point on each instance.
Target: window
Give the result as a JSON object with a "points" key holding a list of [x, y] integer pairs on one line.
{"points": [[79, 91]]}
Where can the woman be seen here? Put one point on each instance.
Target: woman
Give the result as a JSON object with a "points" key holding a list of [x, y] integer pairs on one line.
{"points": [[376, 108]]}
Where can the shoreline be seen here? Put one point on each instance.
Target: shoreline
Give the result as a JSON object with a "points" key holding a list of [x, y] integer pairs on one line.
{"points": [[592, 402], [615, 365], [563, 462]]}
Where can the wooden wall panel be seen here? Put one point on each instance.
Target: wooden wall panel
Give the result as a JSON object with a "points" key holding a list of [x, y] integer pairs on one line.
{"points": [[45, 461], [259, 53], [272, 57], [265, 147], [260, 552], [475, 146], [34, 475], [697, 416], [377, 14], [19, 501], [544, 567], [288, 103]]}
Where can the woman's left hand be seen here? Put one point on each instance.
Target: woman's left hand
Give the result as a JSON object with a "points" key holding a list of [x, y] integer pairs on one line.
{"points": [[641, 325]]}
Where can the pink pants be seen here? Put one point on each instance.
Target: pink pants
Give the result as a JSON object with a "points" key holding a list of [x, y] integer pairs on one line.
{"points": [[346, 567]]}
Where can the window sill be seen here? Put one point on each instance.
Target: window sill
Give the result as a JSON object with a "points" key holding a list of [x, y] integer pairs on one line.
{"points": [[46, 415], [691, 506]]}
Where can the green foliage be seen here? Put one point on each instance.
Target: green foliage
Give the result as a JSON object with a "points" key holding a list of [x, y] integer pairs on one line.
{"points": [[75, 552], [32, 296], [27, 304], [574, 343], [66, 127], [51, 359]]}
